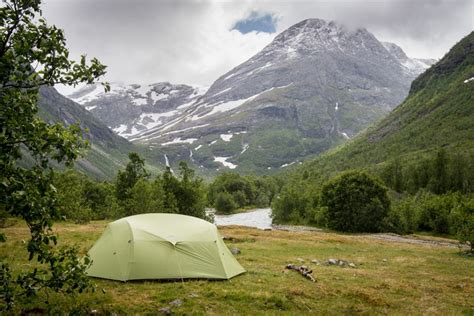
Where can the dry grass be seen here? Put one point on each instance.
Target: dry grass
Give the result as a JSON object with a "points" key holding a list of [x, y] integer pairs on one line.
{"points": [[413, 279]]}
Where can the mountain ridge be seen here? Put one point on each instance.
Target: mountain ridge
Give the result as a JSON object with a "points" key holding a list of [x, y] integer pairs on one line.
{"points": [[438, 113], [314, 86]]}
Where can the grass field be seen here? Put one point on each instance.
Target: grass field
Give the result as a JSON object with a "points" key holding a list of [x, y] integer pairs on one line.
{"points": [[389, 278]]}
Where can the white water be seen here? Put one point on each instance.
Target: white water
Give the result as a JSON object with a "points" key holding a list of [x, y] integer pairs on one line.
{"points": [[260, 218]]}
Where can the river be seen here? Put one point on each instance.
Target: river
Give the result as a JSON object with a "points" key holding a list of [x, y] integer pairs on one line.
{"points": [[259, 218]]}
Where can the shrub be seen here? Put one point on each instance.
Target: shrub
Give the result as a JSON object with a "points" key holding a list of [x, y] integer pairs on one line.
{"points": [[463, 222], [290, 205], [356, 202], [225, 203], [404, 215]]}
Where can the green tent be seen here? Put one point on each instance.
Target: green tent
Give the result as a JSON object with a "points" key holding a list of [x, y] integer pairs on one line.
{"points": [[161, 246]]}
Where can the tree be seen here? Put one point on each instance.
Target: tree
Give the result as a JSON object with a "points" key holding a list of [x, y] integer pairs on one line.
{"points": [[134, 171], [33, 54], [291, 205], [184, 195], [439, 181], [393, 175], [242, 189], [225, 203], [355, 201], [145, 197], [464, 223], [71, 201]]}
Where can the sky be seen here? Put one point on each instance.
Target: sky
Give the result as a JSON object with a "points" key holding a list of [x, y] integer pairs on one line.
{"points": [[197, 41]]}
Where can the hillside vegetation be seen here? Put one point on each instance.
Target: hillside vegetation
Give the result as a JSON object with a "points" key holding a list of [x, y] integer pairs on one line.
{"points": [[423, 152], [438, 113]]}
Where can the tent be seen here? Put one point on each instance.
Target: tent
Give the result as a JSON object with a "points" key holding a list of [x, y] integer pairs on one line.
{"points": [[161, 246]]}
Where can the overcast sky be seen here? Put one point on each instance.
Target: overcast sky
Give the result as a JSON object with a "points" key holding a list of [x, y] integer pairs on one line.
{"points": [[196, 41]]}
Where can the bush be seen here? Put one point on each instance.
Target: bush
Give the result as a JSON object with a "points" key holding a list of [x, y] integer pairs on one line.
{"points": [[463, 222], [225, 203], [145, 197], [291, 205], [246, 191], [404, 215], [71, 202], [356, 202]]}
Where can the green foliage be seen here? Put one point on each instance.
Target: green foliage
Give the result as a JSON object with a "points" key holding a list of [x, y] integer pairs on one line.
{"points": [[439, 173], [290, 206], [463, 219], [446, 214], [356, 202], [145, 197], [438, 113], [404, 215], [33, 54], [245, 191], [224, 203], [188, 191], [134, 171], [166, 194], [81, 199], [71, 200]]}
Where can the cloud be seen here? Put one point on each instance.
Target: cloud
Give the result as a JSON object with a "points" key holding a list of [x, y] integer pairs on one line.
{"points": [[258, 22], [195, 41]]}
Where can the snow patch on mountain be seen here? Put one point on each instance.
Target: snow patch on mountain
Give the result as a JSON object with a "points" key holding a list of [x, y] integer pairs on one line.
{"points": [[287, 164], [178, 140], [244, 148], [221, 92], [223, 106], [226, 137], [225, 163]]}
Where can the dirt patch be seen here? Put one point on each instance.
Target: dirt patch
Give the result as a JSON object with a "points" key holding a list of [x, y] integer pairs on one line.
{"points": [[417, 240], [295, 228]]}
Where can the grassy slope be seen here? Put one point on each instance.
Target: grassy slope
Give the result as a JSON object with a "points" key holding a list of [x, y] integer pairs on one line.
{"points": [[415, 279], [439, 112], [108, 153]]}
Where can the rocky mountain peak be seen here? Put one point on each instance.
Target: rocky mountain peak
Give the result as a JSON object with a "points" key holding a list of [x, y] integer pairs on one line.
{"points": [[312, 36], [317, 84]]}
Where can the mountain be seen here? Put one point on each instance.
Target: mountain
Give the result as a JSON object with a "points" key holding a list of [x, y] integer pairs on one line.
{"points": [[108, 152], [413, 66], [131, 109], [316, 85], [438, 113]]}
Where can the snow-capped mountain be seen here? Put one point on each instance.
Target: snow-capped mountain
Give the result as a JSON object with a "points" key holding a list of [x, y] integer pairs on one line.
{"points": [[129, 109], [413, 66], [317, 84]]}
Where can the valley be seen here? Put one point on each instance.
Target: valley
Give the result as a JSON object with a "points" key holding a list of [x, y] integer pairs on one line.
{"points": [[243, 159], [315, 86]]}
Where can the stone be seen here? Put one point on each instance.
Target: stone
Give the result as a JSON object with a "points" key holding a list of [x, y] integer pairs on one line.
{"points": [[352, 265], [193, 295], [165, 310], [176, 302], [332, 261], [235, 250], [300, 259], [316, 262], [384, 260]]}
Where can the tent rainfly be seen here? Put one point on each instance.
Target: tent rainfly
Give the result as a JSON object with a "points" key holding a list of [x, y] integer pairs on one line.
{"points": [[161, 246]]}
